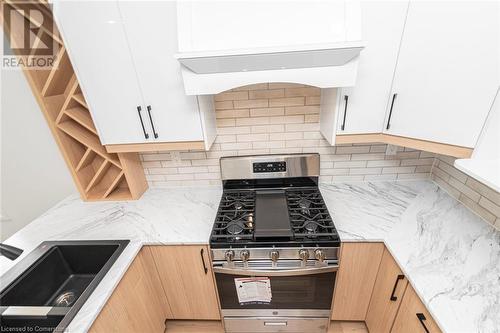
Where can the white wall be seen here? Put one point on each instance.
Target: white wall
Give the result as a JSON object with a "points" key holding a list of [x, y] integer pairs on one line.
{"points": [[33, 175]]}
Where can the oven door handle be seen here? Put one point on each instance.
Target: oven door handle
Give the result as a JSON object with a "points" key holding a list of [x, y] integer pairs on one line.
{"points": [[277, 272]]}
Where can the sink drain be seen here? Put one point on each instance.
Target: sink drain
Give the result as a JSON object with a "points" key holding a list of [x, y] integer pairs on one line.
{"points": [[67, 298]]}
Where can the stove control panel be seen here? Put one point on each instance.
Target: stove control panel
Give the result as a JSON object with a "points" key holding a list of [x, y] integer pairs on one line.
{"points": [[269, 167]]}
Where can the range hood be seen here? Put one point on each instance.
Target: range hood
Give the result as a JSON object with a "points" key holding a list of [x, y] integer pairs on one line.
{"points": [[224, 44]]}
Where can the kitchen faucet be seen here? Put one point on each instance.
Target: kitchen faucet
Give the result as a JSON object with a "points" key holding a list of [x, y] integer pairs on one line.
{"points": [[9, 251]]}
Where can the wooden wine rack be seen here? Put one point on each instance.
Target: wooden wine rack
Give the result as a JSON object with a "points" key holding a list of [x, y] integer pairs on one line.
{"points": [[98, 175]]}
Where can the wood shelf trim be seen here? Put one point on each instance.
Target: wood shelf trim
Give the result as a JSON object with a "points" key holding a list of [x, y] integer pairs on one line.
{"points": [[53, 71], [73, 84], [85, 160], [86, 138], [431, 146], [119, 194], [158, 146], [60, 76], [79, 98], [98, 175], [113, 185], [82, 116]]}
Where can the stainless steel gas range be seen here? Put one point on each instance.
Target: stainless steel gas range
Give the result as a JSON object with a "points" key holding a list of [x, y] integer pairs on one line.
{"points": [[274, 245]]}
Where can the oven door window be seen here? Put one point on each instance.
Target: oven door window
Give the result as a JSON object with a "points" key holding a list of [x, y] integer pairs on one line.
{"points": [[313, 291]]}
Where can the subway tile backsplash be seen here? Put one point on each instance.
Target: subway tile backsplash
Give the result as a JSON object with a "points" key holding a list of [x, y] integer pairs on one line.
{"points": [[284, 118], [481, 199], [280, 118]]}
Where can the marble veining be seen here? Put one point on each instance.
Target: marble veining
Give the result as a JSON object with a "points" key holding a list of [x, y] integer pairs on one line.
{"points": [[368, 211], [450, 256]]}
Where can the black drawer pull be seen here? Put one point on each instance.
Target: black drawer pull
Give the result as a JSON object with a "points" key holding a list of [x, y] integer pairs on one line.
{"points": [[422, 318], [203, 261], [146, 135], [151, 120], [390, 111], [400, 277], [346, 99]]}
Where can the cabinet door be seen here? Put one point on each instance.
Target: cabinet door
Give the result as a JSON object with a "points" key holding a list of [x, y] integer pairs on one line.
{"points": [[364, 106], [98, 49], [387, 295], [138, 303], [187, 279], [359, 263], [413, 316], [151, 30], [447, 71]]}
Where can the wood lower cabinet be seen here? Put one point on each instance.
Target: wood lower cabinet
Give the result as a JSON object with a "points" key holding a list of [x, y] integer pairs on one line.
{"points": [[186, 276], [413, 316], [138, 304], [359, 263], [387, 295]]}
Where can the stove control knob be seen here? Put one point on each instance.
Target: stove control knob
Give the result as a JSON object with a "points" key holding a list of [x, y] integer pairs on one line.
{"points": [[303, 255], [229, 255], [274, 254], [319, 255], [245, 255]]}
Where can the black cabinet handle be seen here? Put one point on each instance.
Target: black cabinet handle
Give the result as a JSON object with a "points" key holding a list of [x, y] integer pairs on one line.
{"points": [[346, 99], [400, 277], [151, 120], [146, 135], [203, 261], [390, 112], [421, 319]]}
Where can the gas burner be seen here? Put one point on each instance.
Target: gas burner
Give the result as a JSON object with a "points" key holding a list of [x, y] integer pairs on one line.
{"points": [[235, 228], [304, 205], [309, 216], [235, 219], [311, 226]]}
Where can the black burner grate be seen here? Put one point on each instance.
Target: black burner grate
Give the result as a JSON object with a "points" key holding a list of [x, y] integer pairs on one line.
{"points": [[309, 216], [235, 218]]}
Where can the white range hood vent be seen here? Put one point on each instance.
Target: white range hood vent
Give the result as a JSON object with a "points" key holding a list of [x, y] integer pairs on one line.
{"points": [[224, 45]]}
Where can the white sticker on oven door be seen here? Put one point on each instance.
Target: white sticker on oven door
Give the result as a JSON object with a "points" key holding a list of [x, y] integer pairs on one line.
{"points": [[253, 290]]}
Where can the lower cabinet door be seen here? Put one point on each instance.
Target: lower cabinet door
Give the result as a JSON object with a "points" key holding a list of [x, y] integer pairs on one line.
{"points": [[387, 295], [138, 303], [413, 316], [186, 276], [359, 263]]}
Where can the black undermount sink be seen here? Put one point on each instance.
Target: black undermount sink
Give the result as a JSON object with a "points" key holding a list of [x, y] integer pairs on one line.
{"points": [[45, 290]]}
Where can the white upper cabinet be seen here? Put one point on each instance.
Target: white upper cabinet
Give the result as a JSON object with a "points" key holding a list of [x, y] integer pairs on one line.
{"points": [[98, 48], [362, 107], [447, 71], [150, 30], [484, 165], [123, 54]]}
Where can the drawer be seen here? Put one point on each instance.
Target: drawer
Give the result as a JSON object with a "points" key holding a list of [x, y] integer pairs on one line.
{"points": [[276, 324]]}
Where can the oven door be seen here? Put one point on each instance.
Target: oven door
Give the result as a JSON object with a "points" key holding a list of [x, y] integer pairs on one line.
{"points": [[292, 289]]}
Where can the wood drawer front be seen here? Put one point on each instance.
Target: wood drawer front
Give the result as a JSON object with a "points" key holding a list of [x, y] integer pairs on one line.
{"points": [[387, 295], [274, 324], [359, 263], [407, 318]]}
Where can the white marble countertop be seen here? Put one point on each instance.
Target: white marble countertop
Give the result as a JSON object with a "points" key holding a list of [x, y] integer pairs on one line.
{"points": [[450, 256]]}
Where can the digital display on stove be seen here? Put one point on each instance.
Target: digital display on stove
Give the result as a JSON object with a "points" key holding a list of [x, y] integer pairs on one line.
{"points": [[269, 167]]}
